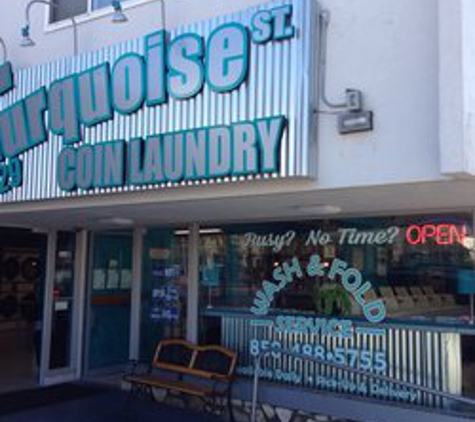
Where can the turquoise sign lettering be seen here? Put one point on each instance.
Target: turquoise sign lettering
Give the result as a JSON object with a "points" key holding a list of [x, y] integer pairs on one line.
{"points": [[177, 68], [202, 153]]}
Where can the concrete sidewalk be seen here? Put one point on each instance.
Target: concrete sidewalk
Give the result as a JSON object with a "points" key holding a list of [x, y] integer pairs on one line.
{"points": [[105, 406]]}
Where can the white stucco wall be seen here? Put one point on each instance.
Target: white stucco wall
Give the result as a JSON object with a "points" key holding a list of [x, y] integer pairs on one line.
{"points": [[388, 49], [391, 50], [457, 87]]}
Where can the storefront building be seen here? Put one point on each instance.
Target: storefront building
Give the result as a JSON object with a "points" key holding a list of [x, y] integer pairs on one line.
{"points": [[295, 177]]}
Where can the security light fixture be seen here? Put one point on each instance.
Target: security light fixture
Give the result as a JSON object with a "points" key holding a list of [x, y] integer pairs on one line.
{"points": [[26, 40], [118, 15]]}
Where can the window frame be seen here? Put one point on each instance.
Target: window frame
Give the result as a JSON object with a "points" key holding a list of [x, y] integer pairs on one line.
{"points": [[90, 15]]}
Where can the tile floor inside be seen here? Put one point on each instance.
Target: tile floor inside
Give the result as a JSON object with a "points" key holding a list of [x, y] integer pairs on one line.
{"points": [[17, 360]]}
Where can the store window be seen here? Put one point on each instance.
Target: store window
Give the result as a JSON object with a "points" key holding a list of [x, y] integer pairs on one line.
{"points": [[68, 9], [420, 267], [71, 8], [367, 293], [164, 288]]}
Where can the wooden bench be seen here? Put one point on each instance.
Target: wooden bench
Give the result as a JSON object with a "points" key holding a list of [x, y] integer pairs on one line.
{"points": [[206, 372]]}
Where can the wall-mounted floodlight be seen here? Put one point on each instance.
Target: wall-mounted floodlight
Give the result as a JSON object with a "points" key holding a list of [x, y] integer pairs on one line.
{"points": [[27, 41], [118, 15], [4, 51]]}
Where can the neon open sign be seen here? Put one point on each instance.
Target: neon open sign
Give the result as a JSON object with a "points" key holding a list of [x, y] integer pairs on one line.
{"points": [[440, 234]]}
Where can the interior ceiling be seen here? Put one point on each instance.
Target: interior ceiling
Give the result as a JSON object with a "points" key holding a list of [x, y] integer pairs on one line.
{"points": [[382, 200]]}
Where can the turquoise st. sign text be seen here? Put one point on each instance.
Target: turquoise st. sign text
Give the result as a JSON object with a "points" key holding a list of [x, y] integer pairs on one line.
{"points": [[178, 68]]}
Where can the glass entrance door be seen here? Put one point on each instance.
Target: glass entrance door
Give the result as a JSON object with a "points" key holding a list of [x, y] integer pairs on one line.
{"points": [[110, 282], [60, 339], [63, 302]]}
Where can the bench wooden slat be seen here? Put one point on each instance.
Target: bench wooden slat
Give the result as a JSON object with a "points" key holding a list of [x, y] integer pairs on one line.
{"points": [[190, 371]]}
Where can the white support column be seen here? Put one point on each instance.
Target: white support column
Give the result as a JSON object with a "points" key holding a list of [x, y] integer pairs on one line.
{"points": [[48, 305], [193, 284], [80, 290], [136, 293]]}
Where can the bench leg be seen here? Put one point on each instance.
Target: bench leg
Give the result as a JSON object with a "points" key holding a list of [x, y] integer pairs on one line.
{"points": [[211, 405], [230, 405], [150, 393], [136, 390]]}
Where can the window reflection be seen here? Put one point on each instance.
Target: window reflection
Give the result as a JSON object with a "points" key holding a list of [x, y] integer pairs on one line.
{"points": [[422, 267], [63, 297], [164, 288]]}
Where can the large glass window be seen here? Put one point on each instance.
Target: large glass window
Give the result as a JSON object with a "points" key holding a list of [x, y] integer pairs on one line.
{"points": [[63, 301], [70, 8], [67, 9], [422, 267], [345, 291], [164, 288]]}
